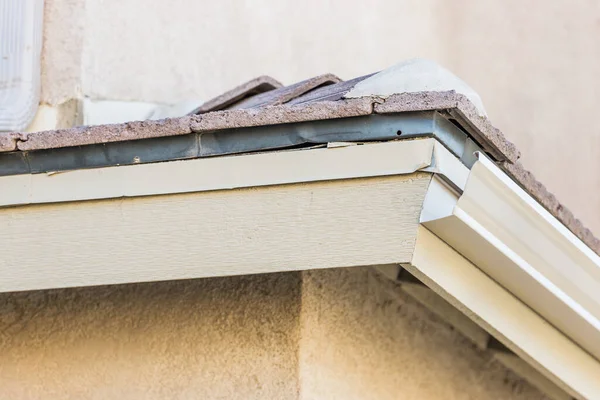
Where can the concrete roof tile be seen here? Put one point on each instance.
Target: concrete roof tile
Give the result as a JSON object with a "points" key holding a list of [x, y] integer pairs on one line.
{"points": [[8, 141], [251, 88], [283, 114], [460, 108], [86, 135], [285, 94]]}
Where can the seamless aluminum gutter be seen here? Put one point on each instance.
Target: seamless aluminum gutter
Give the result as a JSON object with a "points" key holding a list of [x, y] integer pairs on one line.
{"points": [[502, 230]]}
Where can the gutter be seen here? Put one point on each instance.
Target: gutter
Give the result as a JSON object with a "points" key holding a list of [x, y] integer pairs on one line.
{"points": [[20, 59], [508, 235]]}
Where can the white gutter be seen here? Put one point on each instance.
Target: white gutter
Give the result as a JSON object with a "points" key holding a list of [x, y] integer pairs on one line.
{"points": [[20, 52], [505, 316], [502, 230]]}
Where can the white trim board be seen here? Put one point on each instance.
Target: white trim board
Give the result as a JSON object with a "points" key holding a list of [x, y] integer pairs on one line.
{"points": [[221, 173], [503, 315]]}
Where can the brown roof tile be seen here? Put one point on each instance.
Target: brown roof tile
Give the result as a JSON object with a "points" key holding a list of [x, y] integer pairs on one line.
{"points": [[461, 109], [285, 94], [283, 114], [85, 135], [8, 141], [328, 93], [253, 87]]}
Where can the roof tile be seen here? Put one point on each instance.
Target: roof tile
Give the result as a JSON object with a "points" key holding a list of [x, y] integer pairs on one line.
{"points": [[461, 109], [328, 93], [85, 135], [8, 141], [287, 93], [283, 114], [253, 87]]}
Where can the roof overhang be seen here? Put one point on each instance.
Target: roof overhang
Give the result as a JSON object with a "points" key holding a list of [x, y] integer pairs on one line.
{"points": [[268, 212], [472, 235]]}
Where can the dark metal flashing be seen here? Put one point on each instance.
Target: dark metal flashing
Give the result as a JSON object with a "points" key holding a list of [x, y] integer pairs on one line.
{"points": [[243, 140]]}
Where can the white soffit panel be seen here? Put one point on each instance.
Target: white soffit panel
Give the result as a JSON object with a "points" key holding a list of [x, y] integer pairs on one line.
{"points": [[505, 232]]}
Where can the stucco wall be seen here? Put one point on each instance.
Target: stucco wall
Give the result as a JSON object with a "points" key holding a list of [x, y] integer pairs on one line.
{"points": [[535, 66], [329, 334], [232, 338], [364, 338]]}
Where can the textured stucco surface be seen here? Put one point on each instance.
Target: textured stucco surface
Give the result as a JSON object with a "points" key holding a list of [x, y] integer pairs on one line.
{"points": [[364, 338], [324, 334], [63, 50], [536, 67], [202, 339], [535, 71]]}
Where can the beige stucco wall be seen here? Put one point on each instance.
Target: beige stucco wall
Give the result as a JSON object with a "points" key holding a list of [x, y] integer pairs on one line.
{"points": [[364, 338], [330, 334], [232, 338], [535, 66]]}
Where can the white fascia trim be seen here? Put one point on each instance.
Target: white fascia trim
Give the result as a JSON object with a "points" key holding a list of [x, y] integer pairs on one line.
{"points": [[502, 230], [232, 172], [506, 317]]}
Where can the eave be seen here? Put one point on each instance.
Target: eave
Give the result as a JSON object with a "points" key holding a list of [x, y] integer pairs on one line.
{"points": [[268, 212], [348, 204]]}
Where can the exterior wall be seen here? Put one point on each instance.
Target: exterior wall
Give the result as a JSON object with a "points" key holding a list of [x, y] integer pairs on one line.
{"points": [[328, 334], [363, 338], [229, 338], [536, 67], [536, 71]]}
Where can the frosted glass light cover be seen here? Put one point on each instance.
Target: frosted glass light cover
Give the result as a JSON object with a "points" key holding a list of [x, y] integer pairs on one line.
{"points": [[20, 52]]}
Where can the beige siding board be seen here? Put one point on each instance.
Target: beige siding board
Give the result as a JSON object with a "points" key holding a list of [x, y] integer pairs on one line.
{"points": [[279, 228]]}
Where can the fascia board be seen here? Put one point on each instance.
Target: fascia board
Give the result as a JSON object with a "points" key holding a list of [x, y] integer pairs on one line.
{"points": [[508, 235], [231, 172]]}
